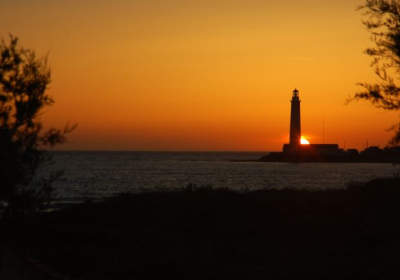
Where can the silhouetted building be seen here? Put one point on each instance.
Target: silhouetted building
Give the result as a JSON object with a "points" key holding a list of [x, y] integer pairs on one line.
{"points": [[295, 124], [296, 152], [321, 149], [294, 147]]}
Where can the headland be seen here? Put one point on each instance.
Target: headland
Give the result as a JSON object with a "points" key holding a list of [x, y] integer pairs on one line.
{"points": [[302, 151], [311, 153]]}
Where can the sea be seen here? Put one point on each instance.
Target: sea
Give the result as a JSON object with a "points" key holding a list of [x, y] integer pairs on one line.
{"points": [[97, 175]]}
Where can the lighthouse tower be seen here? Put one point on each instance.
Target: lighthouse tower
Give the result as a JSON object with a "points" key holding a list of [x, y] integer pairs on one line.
{"points": [[295, 128], [296, 152]]}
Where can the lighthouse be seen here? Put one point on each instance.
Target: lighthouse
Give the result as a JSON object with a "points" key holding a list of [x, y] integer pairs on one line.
{"points": [[294, 151], [294, 147], [295, 124]]}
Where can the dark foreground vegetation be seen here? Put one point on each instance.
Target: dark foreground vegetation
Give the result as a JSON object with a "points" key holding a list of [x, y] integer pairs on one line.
{"points": [[201, 233]]}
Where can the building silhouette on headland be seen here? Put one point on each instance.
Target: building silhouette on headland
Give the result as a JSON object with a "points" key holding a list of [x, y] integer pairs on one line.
{"points": [[294, 151], [295, 148]]}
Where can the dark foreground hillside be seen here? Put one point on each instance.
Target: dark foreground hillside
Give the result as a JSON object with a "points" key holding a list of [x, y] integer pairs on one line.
{"points": [[219, 234]]}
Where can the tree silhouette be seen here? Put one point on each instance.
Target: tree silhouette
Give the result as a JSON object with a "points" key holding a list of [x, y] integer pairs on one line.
{"points": [[383, 23], [23, 83]]}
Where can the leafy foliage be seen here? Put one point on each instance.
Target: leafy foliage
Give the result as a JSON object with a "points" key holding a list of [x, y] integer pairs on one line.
{"points": [[23, 83], [384, 26]]}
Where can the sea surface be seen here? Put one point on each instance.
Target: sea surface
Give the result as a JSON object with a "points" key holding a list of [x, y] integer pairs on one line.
{"points": [[95, 175]]}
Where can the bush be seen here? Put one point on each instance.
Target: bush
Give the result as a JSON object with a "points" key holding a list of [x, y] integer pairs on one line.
{"points": [[23, 83]]}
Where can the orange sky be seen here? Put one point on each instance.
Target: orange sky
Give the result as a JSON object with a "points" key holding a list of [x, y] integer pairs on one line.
{"points": [[201, 75]]}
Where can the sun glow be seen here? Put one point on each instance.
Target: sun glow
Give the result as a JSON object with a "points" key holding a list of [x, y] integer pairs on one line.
{"points": [[304, 141], [220, 55]]}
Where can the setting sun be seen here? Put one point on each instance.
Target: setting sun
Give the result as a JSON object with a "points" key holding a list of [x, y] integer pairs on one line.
{"points": [[304, 142]]}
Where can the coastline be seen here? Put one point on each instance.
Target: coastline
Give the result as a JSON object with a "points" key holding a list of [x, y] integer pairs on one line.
{"points": [[201, 233], [281, 157]]}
